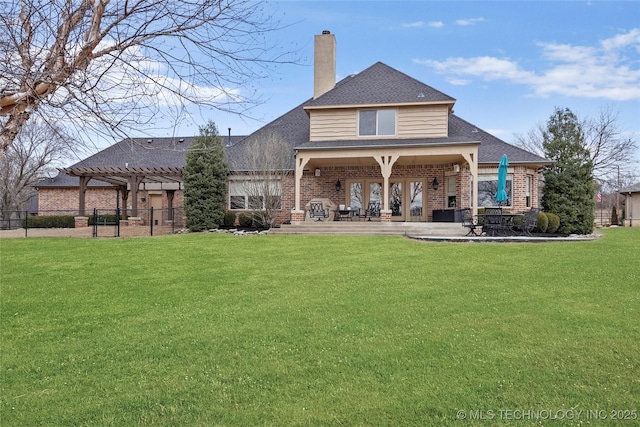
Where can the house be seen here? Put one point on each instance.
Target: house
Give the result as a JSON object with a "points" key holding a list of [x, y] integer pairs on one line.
{"points": [[379, 136], [631, 205]]}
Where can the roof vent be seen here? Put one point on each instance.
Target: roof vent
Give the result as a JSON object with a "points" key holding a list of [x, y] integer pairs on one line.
{"points": [[149, 141], [181, 140], [326, 32], [421, 95]]}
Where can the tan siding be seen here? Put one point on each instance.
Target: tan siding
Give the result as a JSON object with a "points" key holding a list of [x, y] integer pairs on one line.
{"points": [[333, 124], [423, 122]]}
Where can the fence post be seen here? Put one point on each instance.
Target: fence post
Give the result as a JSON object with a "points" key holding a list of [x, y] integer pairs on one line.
{"points": [[151, 220], [26, 222], [118, 222], [95, 222]]}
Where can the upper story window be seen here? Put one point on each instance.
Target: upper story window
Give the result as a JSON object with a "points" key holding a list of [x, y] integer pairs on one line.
{"points": [[377, 122]]}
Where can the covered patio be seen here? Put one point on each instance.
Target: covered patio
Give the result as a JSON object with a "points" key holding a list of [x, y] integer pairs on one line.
{"points": [[407, 178]]}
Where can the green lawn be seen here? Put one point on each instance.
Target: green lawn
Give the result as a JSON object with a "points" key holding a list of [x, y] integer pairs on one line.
{"points": [[211, 329]]}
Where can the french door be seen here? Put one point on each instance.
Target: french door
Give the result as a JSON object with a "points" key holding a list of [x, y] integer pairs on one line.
{"points": [[406, 197]]}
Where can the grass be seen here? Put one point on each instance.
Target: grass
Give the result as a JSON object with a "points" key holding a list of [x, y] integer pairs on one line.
{"points": [[209, 329]]}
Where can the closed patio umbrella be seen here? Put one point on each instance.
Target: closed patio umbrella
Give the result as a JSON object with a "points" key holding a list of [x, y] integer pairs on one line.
{"points": [[501, 194]]}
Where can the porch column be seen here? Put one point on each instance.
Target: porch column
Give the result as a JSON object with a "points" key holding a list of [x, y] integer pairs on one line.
{"points": [[82, 189], [301, 162], [473, 170], [386, 163], [134, 183]]}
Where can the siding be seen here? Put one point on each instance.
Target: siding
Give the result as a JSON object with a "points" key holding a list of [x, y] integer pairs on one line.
{"points": [[333, 124], [423, 122], [429, 121]]}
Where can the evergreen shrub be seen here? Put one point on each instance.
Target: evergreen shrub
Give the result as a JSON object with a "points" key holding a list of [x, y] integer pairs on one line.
{"points": [[229, 219], [543, 222], [554, 223], [53, 221], [245, 220]]}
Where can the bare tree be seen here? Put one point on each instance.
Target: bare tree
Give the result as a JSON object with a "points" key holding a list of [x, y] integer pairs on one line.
{"points": [[264, 160], [610, 152], [111, 65], [32, 156]]}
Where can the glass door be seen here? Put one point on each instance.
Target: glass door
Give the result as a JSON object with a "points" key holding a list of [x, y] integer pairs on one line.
{"points": [[396, 201], [416, 206]]}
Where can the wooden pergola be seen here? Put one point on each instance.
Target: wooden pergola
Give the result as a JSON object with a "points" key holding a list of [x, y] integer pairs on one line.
{"points": [[126, 179]]}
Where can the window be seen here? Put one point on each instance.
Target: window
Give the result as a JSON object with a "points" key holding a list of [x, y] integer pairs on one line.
{"points": [[488, 187], [377, 122], [528, 191], [253, 194], [451, 192]]}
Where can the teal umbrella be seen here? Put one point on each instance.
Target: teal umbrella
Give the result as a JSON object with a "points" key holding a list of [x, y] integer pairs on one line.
{"points": [[501, 194]]}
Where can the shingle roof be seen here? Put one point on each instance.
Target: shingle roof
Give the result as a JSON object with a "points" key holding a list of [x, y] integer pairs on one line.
{"points": [[64, 180], [491, 148], [379, 84], [633, 188]]}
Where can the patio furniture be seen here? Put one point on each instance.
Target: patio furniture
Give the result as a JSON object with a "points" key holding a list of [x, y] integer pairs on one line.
{"points": [[492, 221], [470, 223], [529, 221], [372, 211], [345, 214], [316, 210]]}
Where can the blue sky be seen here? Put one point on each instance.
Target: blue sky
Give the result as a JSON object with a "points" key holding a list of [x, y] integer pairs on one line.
{"points": [[507, 63]]}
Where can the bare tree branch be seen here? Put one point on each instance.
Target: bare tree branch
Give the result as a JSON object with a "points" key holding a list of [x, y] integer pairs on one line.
{"points": [[110, 65]]}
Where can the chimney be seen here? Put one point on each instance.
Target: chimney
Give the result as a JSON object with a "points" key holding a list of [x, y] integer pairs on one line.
{"points": [[324, 63]]}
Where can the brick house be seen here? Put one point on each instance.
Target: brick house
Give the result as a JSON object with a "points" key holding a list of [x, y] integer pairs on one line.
{"points": [[378, 136]]}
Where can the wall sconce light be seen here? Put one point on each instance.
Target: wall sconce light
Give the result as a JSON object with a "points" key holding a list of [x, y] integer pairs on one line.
{"points": [[338, 185], [317, 172], [435, 184], [456, 168], [143, 199]]}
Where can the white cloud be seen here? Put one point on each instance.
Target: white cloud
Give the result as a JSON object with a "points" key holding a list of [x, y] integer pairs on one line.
{"points": [[602, 71], [436, 24], [416, 24], [471, 21]]}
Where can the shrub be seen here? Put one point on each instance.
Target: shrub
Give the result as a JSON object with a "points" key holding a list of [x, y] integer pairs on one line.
{"points": [[53, 221], [554, 223], [614, 216], [245, 220], [229, 219], [543, 222]]}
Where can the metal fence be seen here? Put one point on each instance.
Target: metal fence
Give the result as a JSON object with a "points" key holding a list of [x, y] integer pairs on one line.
{"points": [[98, 223]]}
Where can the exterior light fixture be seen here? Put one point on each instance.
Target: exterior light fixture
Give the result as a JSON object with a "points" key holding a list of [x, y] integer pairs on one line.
{"points": [[435, 184], [338, 185]]}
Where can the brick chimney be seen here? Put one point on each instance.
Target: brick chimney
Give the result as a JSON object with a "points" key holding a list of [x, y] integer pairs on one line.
{"points": [[324, 63]]}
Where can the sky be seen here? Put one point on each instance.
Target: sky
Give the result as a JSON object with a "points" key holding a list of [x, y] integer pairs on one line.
{"points": [[508, 64]]}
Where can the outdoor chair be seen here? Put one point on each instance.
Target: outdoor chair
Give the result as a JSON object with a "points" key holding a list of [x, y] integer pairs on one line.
{"points": [[372, 211], [468, 222], [529, 221], [316, 210], [492, 221]]}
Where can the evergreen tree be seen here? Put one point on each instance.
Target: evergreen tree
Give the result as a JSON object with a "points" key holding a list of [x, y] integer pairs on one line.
{"points": [[569, 188], [205, 180]]}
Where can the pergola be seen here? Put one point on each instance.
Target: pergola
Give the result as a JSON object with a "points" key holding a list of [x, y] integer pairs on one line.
{"points": [[125, 179]]}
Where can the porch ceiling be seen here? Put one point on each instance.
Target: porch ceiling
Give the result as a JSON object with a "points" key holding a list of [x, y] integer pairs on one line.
{"points": [[121, 176]]}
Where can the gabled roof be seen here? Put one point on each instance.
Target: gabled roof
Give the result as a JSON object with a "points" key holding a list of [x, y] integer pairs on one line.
{"points": [[379, 84]]}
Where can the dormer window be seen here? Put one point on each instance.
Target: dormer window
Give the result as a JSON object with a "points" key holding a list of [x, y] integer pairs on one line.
{"points": [[377, 122]]}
